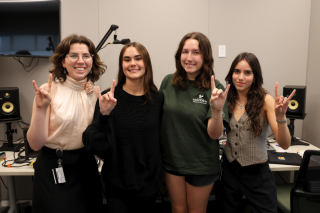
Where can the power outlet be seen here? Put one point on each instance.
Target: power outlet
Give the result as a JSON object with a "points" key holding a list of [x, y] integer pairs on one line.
{"points": [[222, 51]]}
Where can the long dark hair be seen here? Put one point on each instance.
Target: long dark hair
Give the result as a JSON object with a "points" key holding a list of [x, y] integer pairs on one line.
{"points": [[98, 67], [255, 96], [203, 80], [148, 83]]}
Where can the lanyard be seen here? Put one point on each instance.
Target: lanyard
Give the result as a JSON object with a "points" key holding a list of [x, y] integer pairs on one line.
{"points": [[59, 153]]}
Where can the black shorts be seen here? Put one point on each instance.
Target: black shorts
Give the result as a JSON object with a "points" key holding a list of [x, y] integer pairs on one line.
{"points": [[197, 180]]}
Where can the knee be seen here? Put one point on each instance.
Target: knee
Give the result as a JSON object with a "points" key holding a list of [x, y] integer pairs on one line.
{"points": [[179, 209]]}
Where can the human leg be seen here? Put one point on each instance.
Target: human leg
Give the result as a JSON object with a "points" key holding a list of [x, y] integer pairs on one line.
{"points": [[231, 195], [198, 197], [176, 186], [260, 191]]}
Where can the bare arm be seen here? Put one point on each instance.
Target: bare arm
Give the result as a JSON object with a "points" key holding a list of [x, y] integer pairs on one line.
{"points": [[276, 110], [38, 131], [217, 100]]}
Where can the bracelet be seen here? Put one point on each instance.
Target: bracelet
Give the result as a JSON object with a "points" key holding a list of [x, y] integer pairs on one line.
{"points": [[216, 118], [281, 121]]}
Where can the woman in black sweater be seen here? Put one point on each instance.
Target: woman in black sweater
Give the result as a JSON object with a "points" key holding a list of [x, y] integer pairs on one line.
{"points": [[125, 133]]}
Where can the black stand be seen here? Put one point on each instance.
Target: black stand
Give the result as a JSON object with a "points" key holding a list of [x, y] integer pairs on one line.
{"points": [[28, 150], [10, 146], [294, 140], [106, 36], [51, 47]]}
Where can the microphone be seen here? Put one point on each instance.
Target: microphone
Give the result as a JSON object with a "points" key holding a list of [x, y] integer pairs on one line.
{"points": [[123, 41]]}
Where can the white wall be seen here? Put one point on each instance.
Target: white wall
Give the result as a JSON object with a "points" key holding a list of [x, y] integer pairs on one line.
{"points": [[158, 25], [276, 31], [311, 123]]}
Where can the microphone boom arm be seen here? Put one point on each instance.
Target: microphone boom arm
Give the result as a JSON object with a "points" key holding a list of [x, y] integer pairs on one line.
{"points": [[50, 44], [106, 36]]}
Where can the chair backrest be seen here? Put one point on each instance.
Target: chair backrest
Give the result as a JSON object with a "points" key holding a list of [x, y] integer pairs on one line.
{"points": [[305, 195]]}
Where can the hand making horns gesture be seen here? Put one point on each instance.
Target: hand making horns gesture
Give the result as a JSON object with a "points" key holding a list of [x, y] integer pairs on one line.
{"points": [[218, 97], [43, 94], [107, 102], [281, 103]]}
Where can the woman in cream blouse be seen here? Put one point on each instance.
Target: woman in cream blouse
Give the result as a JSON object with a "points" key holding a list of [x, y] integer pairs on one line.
{"points": [[66, 176]]}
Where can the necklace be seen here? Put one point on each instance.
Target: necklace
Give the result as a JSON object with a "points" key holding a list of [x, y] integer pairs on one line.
{"points": [[241, 105], [138, 94]]}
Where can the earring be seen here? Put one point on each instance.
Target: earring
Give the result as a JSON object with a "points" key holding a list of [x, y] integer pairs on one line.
{"points": [[91, 71], [65, 71]]}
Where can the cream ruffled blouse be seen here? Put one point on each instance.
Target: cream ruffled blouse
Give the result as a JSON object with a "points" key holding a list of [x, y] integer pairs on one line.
{"points": [[71, 111]]}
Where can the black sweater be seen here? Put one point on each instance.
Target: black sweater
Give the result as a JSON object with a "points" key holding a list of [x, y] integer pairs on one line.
{"points": [[128, 141]]}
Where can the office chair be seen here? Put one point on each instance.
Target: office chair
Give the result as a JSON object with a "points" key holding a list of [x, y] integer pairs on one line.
{"points": [[304, 194]]}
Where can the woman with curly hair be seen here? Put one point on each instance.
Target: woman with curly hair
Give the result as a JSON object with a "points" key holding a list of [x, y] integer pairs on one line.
{"points": [[194, 115], [245, 162], [66, 176]]}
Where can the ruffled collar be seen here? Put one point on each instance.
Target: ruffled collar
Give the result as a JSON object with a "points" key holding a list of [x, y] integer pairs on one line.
{"points": [[79, 85]]}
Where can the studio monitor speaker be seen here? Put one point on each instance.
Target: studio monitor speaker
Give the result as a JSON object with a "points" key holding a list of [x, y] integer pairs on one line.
{"points": [[9, 103], [297, 104]]}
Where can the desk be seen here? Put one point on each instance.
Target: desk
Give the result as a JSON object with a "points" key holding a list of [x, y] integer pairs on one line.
{"points": [[28, 171], [10, 172], [291, 168], [18, 171], [292, 149]]}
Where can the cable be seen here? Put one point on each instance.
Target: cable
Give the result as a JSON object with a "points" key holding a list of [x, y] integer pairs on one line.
{"points": [[104, 46], [3, 183], [26, 161], [24, 123], [18, 205], [281, 177], [4, 164], [27, 66], [20, 126]]}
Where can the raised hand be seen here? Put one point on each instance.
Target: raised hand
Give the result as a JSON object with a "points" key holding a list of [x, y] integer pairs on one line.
{"points": [[218, 97], [43, 94], [107, 102], [281, 103]]}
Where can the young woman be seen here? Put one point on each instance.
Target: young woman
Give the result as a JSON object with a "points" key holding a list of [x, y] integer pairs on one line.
{"points": [[194, 113], [62, 110], [125, 133], [245, 163]]}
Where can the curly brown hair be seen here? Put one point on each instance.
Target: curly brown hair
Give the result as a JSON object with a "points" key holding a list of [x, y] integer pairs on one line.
{"points": [[255, 96], [148, 83], [203, 80], [98, 67]]}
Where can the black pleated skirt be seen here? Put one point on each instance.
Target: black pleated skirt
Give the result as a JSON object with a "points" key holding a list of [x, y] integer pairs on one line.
{"points": [[82, 191]]}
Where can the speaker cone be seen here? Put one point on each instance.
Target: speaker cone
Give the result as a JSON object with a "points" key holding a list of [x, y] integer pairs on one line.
{"points": [[7, 107], [293, 105]]}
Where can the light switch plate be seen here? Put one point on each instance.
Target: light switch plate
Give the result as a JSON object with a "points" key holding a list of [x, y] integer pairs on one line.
{"points": [[222, 51]]}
